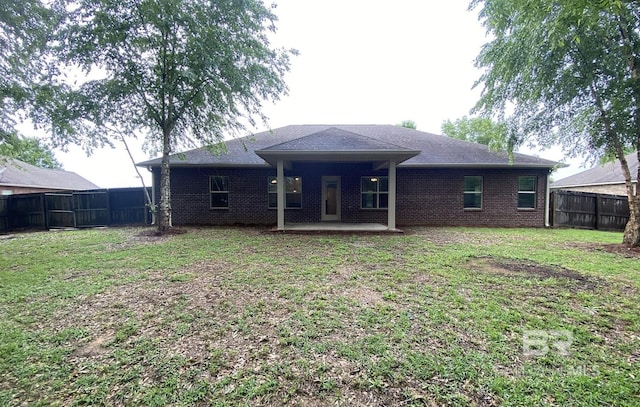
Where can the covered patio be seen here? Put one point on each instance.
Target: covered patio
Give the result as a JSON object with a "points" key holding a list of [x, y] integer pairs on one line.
{"points": [[340, 147]]}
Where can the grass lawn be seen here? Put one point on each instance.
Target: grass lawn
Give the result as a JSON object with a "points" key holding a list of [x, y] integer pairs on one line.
{"points": [[237, 316]]}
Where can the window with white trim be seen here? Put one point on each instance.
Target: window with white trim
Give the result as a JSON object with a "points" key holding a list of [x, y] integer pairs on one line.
{"points": [[374, 192], [527, 192], [293, 192], [473, 192], [219, 191]]}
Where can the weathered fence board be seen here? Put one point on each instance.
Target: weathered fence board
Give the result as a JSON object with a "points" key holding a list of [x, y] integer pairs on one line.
{"points": [[4, 214], [588, 210], [128, 206], [104, 207], [26, 212], [59, 210], [91, 208]]}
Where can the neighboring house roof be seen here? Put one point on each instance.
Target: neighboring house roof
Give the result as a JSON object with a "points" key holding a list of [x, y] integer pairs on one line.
{"points": [[412, 148], [17, 173], [609, 173]]}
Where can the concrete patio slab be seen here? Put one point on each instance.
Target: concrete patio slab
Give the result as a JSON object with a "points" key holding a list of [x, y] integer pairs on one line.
{"points": [[337, 227]]}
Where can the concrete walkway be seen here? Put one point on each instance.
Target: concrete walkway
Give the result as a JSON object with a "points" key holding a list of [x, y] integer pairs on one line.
{"points": [[338, 227]]}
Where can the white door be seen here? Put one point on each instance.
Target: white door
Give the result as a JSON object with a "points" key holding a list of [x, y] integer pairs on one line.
{"points": [[330, 198]]}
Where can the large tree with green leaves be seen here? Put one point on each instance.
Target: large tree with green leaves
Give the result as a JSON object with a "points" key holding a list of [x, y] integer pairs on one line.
{"points": [[24, 29], [481, 130], [567, 71], [27, 149], [183, 72]]}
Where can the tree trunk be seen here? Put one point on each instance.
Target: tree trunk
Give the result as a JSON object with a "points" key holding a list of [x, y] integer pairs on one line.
{"points": [[632, 229], [164, 216]]}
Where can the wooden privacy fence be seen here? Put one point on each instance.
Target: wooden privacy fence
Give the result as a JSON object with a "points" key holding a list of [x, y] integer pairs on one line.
{"points": [[74, 209], [588, 210]]}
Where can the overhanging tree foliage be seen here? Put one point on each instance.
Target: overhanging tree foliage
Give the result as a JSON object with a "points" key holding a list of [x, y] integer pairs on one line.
{"points": [[567, 71], [24, 27], [181, 71], [409, 124], [481, 130], [29, 150]]}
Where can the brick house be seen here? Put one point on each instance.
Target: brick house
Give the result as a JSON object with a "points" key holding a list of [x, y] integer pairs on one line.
{"points": [[355, 174], [601, 179], [18, 177]]}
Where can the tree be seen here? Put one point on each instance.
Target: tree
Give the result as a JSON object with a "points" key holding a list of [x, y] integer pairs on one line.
{"points": [[566, 71], [409, 124], [179, 71], [481, 130], [29, 150], [24, 26]]}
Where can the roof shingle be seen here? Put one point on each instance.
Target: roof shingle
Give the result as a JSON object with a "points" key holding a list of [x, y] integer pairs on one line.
{"points": [[435, 150], [609, 173], [20, 174]]}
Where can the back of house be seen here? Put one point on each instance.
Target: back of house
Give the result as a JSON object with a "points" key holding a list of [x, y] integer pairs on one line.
{"points": [[355, 174]]}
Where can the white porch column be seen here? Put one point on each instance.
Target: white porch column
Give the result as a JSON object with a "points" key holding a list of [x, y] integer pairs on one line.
{"points": [[391, 212], [280, 192]]}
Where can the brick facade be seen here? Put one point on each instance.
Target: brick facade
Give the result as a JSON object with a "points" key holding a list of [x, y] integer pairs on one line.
{"points": [[13, 190], [432, 197], [609, 189]]}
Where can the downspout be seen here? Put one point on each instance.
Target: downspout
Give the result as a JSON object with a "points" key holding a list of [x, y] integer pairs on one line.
{"points": [[546, 202]]}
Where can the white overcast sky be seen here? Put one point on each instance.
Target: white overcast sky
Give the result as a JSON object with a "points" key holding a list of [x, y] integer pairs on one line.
{"points": [[360, 62]]}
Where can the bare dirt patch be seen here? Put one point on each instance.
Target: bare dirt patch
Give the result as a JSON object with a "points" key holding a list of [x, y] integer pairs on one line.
{"points": [[96, 347], [530, 270], [364, 295], [153, 232], [626, 251], [618, 249]]}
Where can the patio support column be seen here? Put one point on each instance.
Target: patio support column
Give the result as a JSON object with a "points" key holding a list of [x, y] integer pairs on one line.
{"points": [[280, 192], [391, 211]]}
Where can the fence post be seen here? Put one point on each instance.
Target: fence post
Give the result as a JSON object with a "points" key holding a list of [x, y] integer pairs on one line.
{"points": [[43, 207], [597, 211], [108, 192], [552, 210]]}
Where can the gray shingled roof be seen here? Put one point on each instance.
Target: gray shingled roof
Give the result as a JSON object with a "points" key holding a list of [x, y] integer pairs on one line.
{"points": [[335, 139], [435, 150], [17, 173], [609, 173]]}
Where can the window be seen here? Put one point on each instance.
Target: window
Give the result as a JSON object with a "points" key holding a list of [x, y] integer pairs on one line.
{"points": [[293, 192], [375, 192], [219, 191], [473, 192], [527, 192]]}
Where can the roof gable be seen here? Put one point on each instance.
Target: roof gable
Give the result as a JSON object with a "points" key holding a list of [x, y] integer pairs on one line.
{"points": [[20, 174], [335, 139]]}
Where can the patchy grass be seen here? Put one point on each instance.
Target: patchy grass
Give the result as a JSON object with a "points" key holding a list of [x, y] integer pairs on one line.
{"points": [[228, 316]]}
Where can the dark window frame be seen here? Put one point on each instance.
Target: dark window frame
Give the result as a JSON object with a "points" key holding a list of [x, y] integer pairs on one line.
{"points": [[374, 197], [219, 192], [474, 192], [528, 192], [293, 196]]}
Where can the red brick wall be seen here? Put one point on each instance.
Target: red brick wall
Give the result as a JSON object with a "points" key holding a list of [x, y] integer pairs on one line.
{"points": [[435, 197], [25, 190], [424, 196]]}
